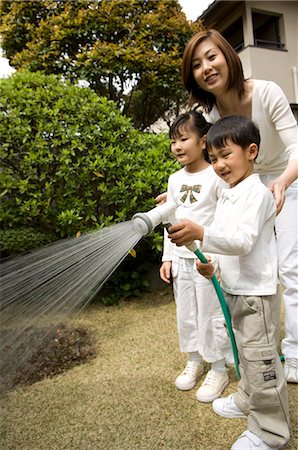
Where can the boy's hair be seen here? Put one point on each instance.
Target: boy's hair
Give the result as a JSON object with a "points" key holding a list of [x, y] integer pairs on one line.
{"points": [[194, 121], [235, 68], [238, 129]]}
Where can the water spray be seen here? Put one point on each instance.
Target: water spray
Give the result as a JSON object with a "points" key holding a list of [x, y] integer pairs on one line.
{"points": [[144, 223], [60, 279]]}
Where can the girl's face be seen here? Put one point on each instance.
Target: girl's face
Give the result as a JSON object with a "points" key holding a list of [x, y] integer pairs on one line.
{"points": [[188, 148], [233, 163], [210, 69]]}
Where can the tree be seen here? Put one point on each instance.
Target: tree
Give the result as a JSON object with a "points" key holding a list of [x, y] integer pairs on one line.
{"points": [[129, 51]]}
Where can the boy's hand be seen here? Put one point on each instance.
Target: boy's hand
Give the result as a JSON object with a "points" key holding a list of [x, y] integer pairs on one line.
{"points": [[165, 271], [161, 199], [185, 232], [205, 269]]}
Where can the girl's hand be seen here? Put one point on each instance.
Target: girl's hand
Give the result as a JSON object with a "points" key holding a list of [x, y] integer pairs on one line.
{"points": [[165, 271], [185, 232], [161, 198], [205, 269], [278, 188]]}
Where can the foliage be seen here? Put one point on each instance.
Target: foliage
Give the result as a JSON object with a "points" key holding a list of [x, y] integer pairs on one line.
{"points": [[71, 162], [14, 241], [130, 51]]}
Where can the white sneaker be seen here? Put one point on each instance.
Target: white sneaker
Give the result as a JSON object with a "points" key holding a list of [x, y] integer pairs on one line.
{"points": [[291, 370], [213, 386], [250, 441], [226, 407], [189, 377]]}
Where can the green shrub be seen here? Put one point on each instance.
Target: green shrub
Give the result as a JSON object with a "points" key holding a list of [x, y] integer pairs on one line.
{"points": [[70, 161], [14, 241]]}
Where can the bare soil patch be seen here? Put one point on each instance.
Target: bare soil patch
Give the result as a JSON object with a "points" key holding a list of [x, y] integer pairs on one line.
{"points": [[53, 350]]}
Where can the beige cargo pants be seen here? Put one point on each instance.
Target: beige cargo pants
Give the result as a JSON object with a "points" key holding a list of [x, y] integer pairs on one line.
{"points": [[262, 390]]}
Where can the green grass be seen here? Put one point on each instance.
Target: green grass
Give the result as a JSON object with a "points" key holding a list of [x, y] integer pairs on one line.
{"points": [[125, 399]]}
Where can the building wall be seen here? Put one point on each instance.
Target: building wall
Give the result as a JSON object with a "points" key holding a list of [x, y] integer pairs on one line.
{"points": [[266, 64], [277, 65]]}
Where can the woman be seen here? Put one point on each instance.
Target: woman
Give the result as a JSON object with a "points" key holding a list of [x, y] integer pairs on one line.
{"points": [[213, 76]]}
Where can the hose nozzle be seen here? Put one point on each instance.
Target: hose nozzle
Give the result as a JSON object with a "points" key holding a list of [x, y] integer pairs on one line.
{"points": [[144, 223]]}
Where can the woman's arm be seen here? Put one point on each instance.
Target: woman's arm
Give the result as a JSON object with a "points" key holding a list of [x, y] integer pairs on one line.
{"points": [[282, 118]]}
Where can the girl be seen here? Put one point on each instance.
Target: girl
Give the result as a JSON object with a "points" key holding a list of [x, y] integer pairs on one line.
{"points": [[213, 76], [202, 334]]}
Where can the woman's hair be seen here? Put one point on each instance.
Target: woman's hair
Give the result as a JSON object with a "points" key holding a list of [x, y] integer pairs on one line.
{"points": [[235, 69], [238, 129], [193, 121]]}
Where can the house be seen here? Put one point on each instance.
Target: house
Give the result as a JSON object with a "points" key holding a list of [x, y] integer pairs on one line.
{"points": [[265, 35]]}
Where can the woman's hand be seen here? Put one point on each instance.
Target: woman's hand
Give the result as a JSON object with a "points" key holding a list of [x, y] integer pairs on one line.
{"points": [[278, 188], [165, 271], [161, 198], [280, 184], [185, 232]]}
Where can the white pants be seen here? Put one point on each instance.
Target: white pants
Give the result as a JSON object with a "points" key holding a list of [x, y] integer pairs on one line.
{"points": [[200, 321], [286, 226]]}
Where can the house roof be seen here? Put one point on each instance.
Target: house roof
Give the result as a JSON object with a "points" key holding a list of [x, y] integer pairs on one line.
{"points": [[217, 12]]}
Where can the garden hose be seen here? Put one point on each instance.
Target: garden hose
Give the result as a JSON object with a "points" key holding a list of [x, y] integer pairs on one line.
{"points": [[144, 223], [224, 308]]}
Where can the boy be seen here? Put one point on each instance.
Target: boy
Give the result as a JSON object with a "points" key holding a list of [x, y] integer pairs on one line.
{"points": [[242, 233]]}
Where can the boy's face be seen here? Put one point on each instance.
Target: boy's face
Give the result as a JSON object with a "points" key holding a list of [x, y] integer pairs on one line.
{"points": [[233, 163]]}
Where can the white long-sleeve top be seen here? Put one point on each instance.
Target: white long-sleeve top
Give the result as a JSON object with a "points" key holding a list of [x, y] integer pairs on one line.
{"points": [[242, 234], [196, 195], [278, 127]]}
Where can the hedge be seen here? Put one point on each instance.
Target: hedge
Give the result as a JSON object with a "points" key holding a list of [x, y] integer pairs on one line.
{"points": [[71, 162]]}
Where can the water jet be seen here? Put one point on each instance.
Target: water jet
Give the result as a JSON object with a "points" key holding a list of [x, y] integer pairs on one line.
{"points": [[60, 279]]}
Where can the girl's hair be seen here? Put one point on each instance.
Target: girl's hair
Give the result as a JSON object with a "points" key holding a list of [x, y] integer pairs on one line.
{"points": [[235, 69], [238, 129], [193, 121]]}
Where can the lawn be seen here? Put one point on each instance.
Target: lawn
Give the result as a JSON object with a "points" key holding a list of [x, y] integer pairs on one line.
{"points": [[124, 398]]}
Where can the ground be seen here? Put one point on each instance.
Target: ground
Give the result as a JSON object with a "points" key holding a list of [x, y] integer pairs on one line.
{"points": [[125, 397], [59, 348]]}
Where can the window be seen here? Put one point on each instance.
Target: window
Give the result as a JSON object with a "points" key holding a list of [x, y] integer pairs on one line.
{"points": [[234, 35], [266, 29]]}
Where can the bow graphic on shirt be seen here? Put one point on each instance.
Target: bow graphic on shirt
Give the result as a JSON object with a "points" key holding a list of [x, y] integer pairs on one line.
{"points": [[188, 190]]}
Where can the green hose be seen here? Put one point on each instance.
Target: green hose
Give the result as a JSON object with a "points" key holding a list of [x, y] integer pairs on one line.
{"points": [[225, 311]]}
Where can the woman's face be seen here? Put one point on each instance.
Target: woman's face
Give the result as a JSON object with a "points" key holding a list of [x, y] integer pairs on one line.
{"points": [[209, 67]]}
